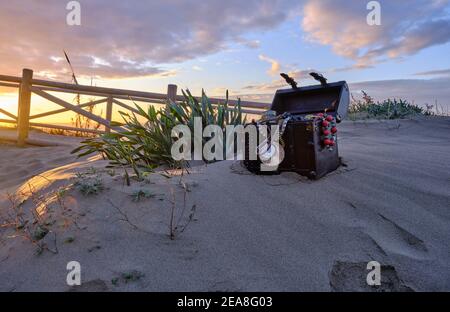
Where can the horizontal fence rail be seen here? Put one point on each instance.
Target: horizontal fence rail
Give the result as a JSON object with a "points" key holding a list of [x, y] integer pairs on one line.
{"points": [[27, 85]]}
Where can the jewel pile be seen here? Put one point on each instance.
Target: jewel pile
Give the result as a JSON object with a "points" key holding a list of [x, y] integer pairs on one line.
{"points": [[329, 130]]}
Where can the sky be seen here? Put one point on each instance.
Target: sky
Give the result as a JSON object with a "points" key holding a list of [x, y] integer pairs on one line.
{"points": [[234, 45]]}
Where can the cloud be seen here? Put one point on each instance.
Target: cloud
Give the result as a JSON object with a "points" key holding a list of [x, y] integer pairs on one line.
{"points": [[265, 87], [275, 66], [439, 72], [252, 44], [263, 98], [221, 91], [197, 68], [351, 67], [407, 28], [130, 40], [298, 75]]}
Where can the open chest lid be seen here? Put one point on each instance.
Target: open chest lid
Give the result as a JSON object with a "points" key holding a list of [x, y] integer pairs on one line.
{"points": [[333, 97]]}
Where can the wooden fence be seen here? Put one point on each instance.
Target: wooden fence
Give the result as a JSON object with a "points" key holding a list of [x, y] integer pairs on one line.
{"points": [[27, 85]]}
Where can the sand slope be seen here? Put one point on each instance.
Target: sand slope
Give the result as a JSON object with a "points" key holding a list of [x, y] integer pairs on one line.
{"points": [[19, 164], [253, 233]]}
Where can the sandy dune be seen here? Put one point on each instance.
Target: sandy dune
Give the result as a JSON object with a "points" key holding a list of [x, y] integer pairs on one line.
{"points": [[18, 165], [247, 233]]}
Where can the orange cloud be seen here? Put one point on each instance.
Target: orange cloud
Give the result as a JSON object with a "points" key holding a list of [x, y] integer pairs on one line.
{"points": [[119, 40], [275, 66]]}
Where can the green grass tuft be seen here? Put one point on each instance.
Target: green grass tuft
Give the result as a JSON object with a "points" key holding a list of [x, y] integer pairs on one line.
{"points": [[367, 108], [138, 195], [147, 145], [89, 185]]}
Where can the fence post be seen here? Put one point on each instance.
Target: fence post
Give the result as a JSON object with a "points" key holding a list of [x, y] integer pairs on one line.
{"points": [[23, 115], [109, 111], [172, 92]]}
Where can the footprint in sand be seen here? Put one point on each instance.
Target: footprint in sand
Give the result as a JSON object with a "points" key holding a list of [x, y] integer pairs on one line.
{"points": [[392, 238], [388, 236], [409, 238], [348, 276]]}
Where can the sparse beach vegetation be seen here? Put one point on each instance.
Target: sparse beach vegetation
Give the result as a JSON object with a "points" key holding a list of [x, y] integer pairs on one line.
{"points": [[141, 194], [367, 108], [147, 145], [89, 185]]}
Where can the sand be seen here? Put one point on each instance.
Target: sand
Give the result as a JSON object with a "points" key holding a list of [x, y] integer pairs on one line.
{"points": [[241, 232], [18, 165]]}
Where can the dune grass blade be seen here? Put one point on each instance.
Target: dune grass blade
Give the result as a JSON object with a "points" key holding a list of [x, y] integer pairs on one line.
{"points": [[148, 140]]}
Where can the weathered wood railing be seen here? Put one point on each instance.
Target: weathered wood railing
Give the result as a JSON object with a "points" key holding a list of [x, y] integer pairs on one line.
{"points": [[27, 86]]}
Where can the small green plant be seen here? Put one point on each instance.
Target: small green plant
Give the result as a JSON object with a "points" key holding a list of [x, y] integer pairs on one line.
{"points": [[40, 232], [91, 171], [69, 240], [132, 276], [34, 227], [127, 277], [61, 192], [111, 172], [89, 186], [140, 194]]}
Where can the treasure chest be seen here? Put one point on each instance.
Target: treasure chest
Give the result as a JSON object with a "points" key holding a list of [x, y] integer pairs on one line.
{"points": [[307, 118]]}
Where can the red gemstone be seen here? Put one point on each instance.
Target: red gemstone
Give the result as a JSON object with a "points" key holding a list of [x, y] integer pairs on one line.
{"points": [[328, 142], [333, 130], [326, 132], [325, 123], [330, 118]]}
